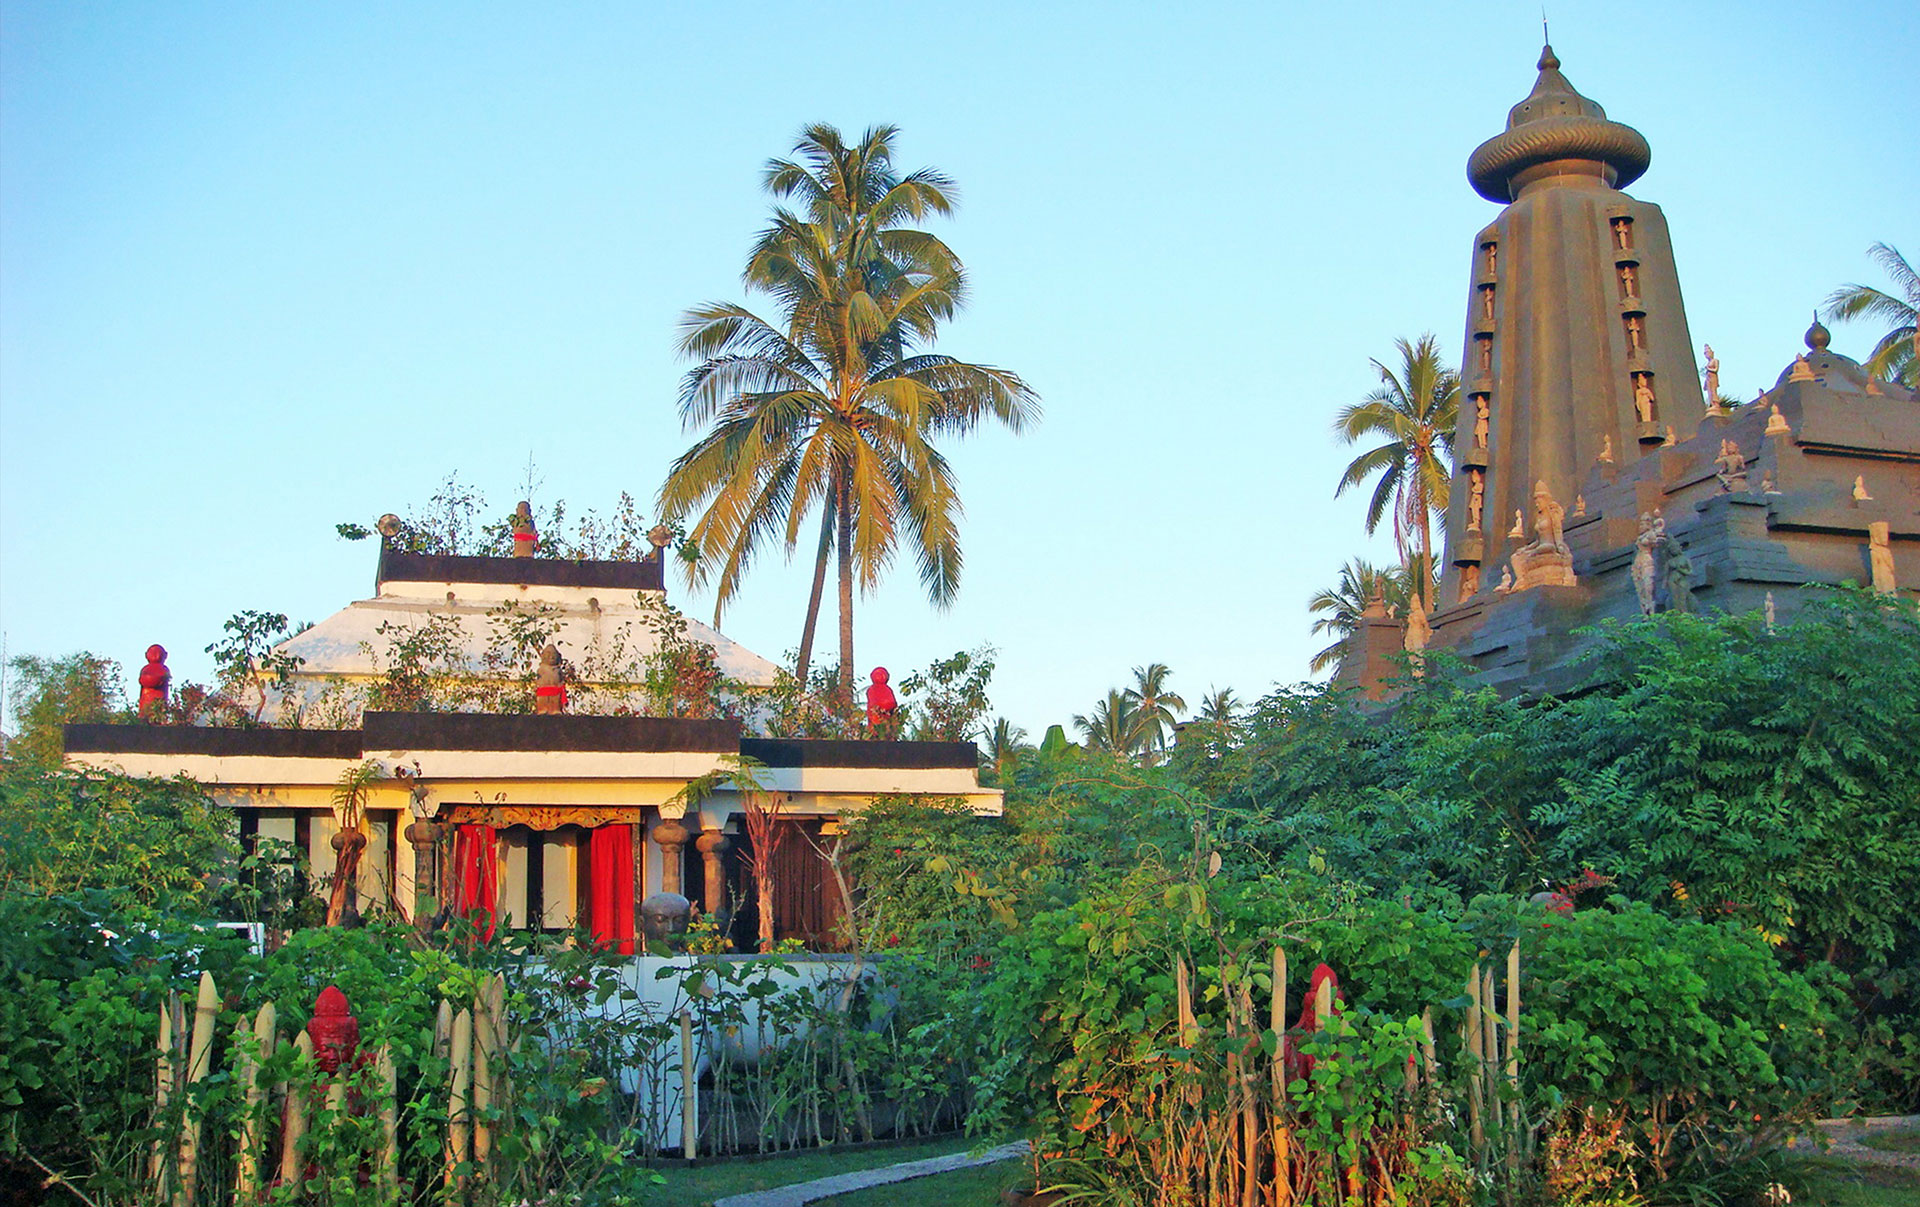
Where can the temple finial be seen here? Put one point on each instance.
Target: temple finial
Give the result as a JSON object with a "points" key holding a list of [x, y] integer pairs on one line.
{"points": [[1818, 337], [1548, 60]]}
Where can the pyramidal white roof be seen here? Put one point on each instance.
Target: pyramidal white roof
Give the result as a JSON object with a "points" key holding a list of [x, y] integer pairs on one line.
{"points": [[602, 613]]}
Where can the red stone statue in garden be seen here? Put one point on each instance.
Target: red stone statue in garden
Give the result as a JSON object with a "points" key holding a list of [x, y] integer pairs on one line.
{"points": [[334, 1031], [882, 709], [154, 678]]}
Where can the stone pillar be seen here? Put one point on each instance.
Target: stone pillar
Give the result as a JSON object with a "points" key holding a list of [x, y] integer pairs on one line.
{"points": [[671, 836], [710, 844], [425, 837]]}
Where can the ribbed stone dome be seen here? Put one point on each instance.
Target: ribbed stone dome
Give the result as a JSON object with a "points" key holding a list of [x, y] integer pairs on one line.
{"points": [[1555, 122]]}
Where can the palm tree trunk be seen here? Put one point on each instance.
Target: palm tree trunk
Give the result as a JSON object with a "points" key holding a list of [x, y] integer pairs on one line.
{"points": [[845, 520], [1426, 550], [804, 662]]}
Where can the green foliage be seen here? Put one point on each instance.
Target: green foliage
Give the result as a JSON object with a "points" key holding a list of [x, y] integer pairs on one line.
{"points": [[1692, 1030], [51, 692], [453, 521], [142, 842], [1708, 768], [247, 663], [948, 699]]}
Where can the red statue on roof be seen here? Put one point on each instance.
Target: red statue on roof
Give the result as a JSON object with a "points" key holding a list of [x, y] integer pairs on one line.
{"points": [[154, 677], [883, 710]]}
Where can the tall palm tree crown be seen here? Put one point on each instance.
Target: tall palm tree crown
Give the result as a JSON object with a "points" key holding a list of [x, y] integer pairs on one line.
{"points": [[835, 408], [1113, 726], [1413, 412], [1897, 356], [1154, 706]]}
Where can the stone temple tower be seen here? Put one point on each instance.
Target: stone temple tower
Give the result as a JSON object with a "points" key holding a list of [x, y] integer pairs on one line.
{"points": [[1577, 348], [1582, 413]]}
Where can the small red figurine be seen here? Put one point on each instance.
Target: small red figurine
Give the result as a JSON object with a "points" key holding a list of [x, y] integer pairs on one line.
{"points": [[1298, 1063], [334, 1031], [154, 677], [882, 708]]}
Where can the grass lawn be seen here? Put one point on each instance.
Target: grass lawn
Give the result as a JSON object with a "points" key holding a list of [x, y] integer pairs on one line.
{"points": [[1905, 1140], [1830, 1183], [705, 1183], [976, 1187]]}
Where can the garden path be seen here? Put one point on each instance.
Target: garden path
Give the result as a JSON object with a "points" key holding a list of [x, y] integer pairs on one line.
{"points": [[1846, 1135], [845, 1183]]}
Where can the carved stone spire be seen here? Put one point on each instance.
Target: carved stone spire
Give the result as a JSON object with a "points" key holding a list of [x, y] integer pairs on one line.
{"points": [[1556, 130], [1577, 341]]}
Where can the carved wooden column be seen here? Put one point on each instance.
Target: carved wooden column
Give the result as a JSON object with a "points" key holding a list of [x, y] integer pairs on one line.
{"points": [[710, 844], [671, 836]]}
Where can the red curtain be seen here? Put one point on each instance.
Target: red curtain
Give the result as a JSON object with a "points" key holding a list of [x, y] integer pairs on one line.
{"points": [[476, 873], [610, 896]]}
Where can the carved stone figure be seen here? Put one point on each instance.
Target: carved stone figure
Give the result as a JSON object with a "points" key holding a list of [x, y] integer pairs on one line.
{"points": [[1629, 281], [1642, 398], [882, 708], [1730, 467], [1486, 356], [1418, 630], [1777, 423], [1670, 441], [1711, 375], [524, 536], [1622, 233], [1519, 530], [664, 916], [1493, 258], [1636, 333], [1547, 561], [1679, 576], [1480, 421], [1506, 581], [1768, 610], [550, 682], [1606, 449], [1860, 494], [1469, 581], [1880, 556], [1802, 371], [1476, 498], [1651, 534], [154, 678], [1486, 301], [1579, 506]]}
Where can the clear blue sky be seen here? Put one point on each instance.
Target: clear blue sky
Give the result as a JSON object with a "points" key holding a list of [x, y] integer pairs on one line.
{"points": [[267, 267]]}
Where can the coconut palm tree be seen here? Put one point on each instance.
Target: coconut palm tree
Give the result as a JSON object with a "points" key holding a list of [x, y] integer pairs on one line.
{"points": [[1414, 410], [1006, 742], [1113, 726], [1359, 582], [1153, 707], [835, 408], [1220, 714], [1897, 356]]}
